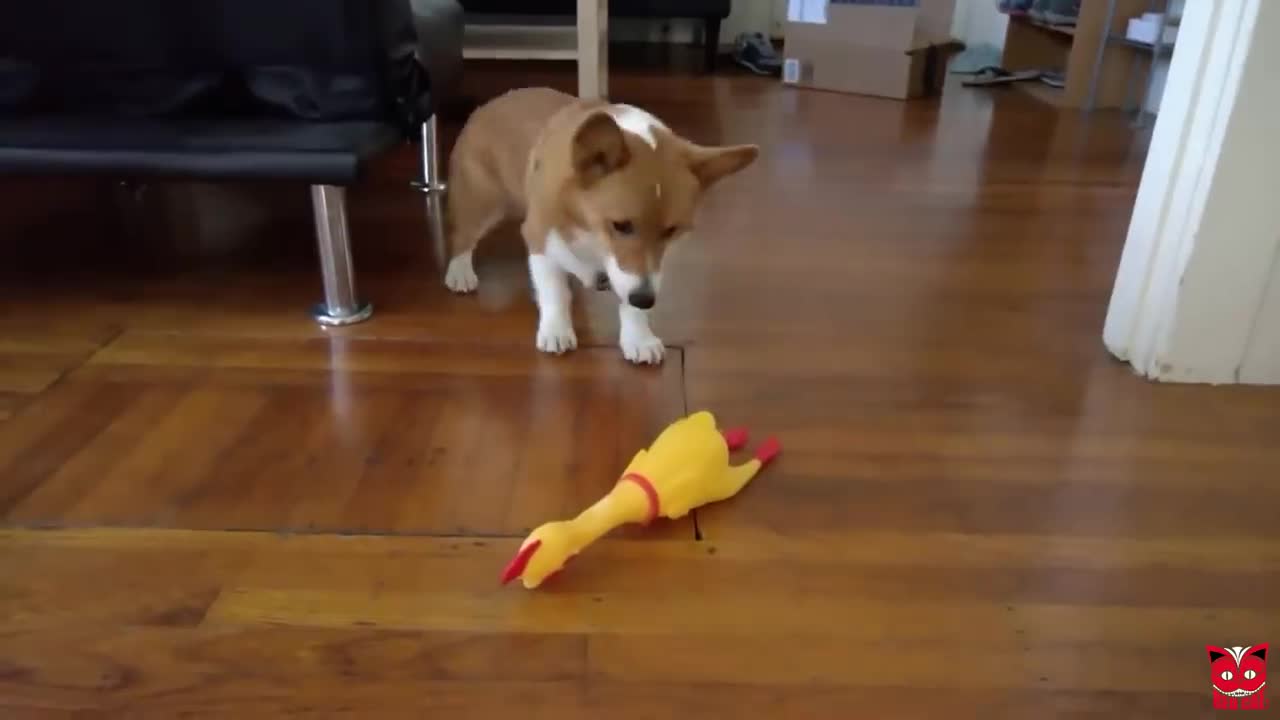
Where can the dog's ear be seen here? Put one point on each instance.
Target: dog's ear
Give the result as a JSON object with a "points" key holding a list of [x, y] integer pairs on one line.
{"points": [[598, 147], [712, 164]]}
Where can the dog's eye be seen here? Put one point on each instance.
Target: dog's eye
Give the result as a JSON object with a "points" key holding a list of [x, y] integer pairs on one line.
{"points": [[623, 227], [670, 232]]}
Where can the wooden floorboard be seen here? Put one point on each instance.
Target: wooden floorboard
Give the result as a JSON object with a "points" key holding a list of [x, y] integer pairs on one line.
{"points": [[33, 358], [339, 435], [960, 441], [213, 508], [214, 622]]}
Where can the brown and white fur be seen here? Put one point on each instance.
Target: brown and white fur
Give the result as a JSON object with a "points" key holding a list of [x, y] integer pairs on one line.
{"points": [[603, 189]]}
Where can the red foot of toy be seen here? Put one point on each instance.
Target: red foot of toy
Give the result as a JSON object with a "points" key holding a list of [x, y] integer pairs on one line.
{"points": [[768, 451], [735, 438]]}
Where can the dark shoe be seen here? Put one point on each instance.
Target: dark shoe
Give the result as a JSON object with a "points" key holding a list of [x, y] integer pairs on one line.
{"points": [[1062, 12], [1015, 7], [754, 52]]}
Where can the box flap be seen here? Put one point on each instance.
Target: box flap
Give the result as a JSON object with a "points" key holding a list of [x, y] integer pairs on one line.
{"points": [[923, 42]]}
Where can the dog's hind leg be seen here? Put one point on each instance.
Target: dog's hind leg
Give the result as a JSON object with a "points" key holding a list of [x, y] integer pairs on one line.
{"points": [[475, 206]]}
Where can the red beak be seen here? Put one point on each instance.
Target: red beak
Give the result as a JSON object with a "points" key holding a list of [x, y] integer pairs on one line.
{"points": [[520, 561]]}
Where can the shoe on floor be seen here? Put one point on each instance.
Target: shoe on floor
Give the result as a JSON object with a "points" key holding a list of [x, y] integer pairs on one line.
{"points": [[1062, 12], [754, 52], [1015, 7]]}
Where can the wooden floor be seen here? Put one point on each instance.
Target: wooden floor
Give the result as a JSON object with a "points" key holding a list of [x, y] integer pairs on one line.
{"points": [[213, 509]]}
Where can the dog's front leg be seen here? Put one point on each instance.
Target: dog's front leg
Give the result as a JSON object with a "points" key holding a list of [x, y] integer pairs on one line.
{"points": [[638, 343], [551, 290]]}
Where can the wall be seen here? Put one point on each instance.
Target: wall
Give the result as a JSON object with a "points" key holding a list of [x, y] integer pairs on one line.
{"points": [[779, 17], [747, 16], [1161, 69], [979, 24], [1262, 359], [752, 16]]}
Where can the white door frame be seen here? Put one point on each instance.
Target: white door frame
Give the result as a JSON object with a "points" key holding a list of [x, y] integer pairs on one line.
{"points": [[1201, 252]]}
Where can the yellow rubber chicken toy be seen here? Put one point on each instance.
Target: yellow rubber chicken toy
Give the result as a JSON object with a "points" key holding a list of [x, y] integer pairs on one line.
{"points": [[687, 466]]}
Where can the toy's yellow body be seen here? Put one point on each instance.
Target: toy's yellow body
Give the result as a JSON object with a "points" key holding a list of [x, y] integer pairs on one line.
{"points": [[687, 466]]}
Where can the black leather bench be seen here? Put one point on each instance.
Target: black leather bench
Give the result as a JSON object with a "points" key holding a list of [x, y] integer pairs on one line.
{"points": [[303, 90]]}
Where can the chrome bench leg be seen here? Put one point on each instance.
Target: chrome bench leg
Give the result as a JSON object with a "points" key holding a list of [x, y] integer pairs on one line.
{"points": [[341, 305], [432, 185], [432, 181]]}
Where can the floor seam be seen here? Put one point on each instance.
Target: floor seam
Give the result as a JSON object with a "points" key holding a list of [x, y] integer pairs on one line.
{"points": [[30, 399]]}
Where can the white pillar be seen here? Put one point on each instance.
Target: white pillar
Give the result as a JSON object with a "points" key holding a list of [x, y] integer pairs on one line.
{"points": [[1194, 299], [593, 49]]}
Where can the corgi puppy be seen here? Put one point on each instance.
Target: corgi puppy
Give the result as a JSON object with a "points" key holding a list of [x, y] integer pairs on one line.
{"points": [[601, 190]]}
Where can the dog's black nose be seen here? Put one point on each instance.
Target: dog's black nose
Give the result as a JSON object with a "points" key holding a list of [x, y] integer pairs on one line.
{"points": [[642, 298]]}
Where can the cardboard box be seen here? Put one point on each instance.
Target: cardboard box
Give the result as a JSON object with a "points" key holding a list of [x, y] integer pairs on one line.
{"points": [[888, 48]]}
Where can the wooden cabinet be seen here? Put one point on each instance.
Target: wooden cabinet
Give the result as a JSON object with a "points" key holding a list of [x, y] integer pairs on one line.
{"points": [[1099, 73]]}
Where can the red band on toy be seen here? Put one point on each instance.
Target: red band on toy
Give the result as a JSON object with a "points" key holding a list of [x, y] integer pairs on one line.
{"points": [[649, 490]]}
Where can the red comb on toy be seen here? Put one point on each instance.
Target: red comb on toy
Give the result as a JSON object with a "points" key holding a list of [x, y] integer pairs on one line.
{"points": [[520, 561]]}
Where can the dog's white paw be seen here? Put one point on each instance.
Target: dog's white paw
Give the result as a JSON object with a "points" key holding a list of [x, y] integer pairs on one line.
{"points": [[556, 336], [642, 348], [461, 275]]}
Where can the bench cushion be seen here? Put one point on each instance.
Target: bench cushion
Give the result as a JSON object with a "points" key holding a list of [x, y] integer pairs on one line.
{"points": [[332, 153], [216, 89]]}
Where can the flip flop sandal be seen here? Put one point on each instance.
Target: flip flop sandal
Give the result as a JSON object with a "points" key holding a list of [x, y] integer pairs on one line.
{"points": [[982, 70], [1054, 79], [1001, 77]]}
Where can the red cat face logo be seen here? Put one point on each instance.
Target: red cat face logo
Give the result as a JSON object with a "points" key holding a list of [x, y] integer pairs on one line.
{"points": [[1239, 676]]}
